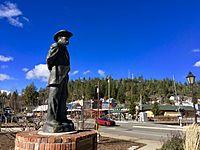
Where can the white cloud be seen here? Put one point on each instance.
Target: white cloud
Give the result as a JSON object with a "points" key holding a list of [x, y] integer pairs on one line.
{"points": [[39, 72], [101, 73], [197, 50], [4, 66], [4, 77], [8, 92], [86, 72], [26, 19], [5, 59], [13, 15], [15, 22], [197, 64], [25, 69], [74, 73]]}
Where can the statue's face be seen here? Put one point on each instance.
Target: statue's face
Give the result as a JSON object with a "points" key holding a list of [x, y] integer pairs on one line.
{"points": [[63, 40]]}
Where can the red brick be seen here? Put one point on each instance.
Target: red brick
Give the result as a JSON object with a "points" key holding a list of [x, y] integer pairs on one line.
{"points": [[27, 145], [21, 145], [58, 146], [65, 142], [42, 146], [63, 146], [47, 146], [52, 146]]}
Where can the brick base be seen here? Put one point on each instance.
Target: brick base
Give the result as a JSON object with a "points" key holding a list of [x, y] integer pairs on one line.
{"points": [[31, 140]]}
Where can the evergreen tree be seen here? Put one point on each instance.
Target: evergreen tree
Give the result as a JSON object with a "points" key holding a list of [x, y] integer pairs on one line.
{"points": [[155, 109], [121, 95], [132, 109], [30, 95], [42, 96], [14, 104]]}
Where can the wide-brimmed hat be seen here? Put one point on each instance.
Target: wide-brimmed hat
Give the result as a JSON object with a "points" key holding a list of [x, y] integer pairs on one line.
{"points": [[62, 33]]}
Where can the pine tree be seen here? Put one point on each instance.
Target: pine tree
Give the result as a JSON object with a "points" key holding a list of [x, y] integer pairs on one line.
{"points": [[14, 104], [155, 109], [30, 95]]}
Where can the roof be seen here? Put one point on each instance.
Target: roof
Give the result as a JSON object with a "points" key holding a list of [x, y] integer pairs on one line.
{"points": [[41, 108], [167, 107]]}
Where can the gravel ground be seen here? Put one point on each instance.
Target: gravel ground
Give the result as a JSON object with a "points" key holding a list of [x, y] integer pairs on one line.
{"points": [[106, 143], [7, 141]]}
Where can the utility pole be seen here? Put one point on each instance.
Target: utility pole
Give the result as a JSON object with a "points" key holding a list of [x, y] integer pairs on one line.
{"points": [[83, 106], [109, 96], [140, 102], [179, 103], [98, 100], [82, 113]]}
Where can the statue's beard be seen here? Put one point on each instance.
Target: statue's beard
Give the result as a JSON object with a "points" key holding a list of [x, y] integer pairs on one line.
{"points": [[64, 42]]}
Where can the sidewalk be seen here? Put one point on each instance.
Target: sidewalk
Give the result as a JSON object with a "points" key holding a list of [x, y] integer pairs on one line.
{"points": [[150, 125], [150, 144]]}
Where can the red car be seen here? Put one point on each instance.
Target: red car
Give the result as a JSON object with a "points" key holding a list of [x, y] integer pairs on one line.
{"points": [[105, 122]]}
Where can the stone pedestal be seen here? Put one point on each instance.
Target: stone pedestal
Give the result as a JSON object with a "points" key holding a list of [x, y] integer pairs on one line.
{"points": [[32, 140]]}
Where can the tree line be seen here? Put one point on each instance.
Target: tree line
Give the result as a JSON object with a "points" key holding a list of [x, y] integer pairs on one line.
{"points": [[128, 91]]}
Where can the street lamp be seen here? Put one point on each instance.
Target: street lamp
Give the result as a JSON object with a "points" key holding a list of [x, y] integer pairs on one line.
{"points": [[191, 80]]}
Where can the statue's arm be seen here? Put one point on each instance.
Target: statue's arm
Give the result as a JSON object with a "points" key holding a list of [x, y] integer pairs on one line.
{"points": [[53, 51]]}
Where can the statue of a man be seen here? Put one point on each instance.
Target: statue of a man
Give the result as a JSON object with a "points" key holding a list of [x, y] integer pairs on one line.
{"points": [[58, 63]]}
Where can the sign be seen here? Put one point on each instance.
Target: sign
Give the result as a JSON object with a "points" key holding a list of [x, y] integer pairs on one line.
{"points": [[105, 105]]}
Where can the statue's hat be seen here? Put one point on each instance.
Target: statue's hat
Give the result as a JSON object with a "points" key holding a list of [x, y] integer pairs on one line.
{"points": [[62, 33]]}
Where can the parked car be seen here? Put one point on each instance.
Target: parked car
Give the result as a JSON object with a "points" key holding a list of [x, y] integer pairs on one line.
{"points": [[105, 121]]}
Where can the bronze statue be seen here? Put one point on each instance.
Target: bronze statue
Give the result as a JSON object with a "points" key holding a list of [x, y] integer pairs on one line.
{"points": [[58, 63]]}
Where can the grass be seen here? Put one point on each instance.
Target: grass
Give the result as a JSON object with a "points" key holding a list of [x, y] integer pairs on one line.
{"points": [[188, 140], [174, 142], [192, 137]]}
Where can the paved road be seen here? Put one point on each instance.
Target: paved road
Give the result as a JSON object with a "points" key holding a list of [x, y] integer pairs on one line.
{"points": [[148, 131], [149, 134]]}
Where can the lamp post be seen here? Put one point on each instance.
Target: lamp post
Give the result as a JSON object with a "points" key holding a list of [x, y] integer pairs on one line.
{"points": [[98, 99], [191, 80]]}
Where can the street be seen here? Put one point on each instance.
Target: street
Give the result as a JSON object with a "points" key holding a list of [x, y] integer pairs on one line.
{"points": [[148, 131]]}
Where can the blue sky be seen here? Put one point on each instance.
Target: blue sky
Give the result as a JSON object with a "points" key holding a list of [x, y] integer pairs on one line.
{"points": [[155, 39]]}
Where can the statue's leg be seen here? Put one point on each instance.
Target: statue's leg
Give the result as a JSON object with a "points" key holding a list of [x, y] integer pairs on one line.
{"points": [[67, 124], [62, 104], [53, 124], [53, 102]]}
